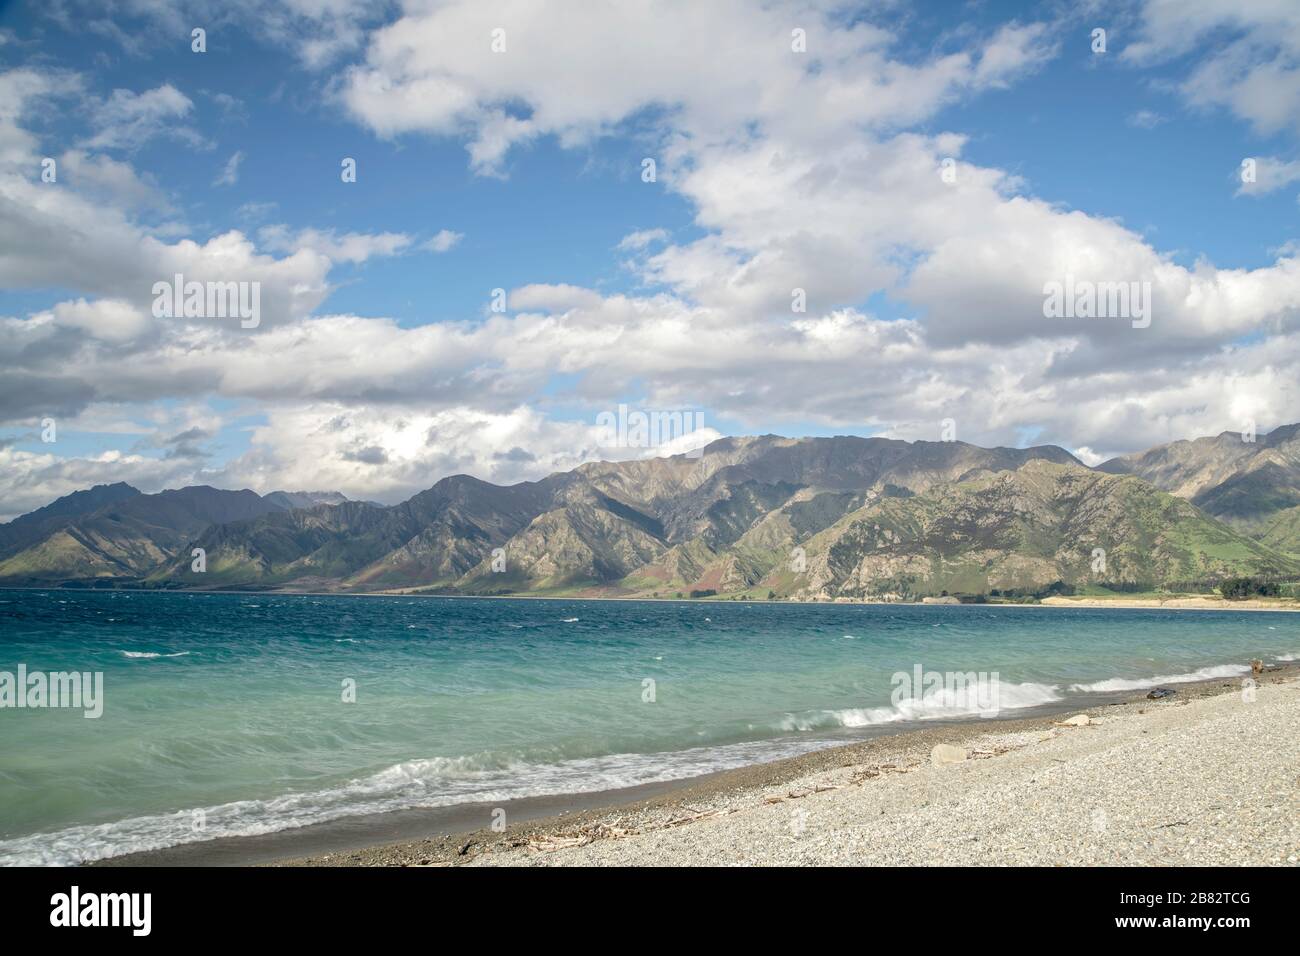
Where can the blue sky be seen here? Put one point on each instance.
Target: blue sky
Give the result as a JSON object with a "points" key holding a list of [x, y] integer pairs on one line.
{"points": [[379, 367]]}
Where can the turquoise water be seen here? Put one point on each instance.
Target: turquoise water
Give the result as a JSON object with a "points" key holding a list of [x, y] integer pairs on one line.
{"points": [[233, 703]]}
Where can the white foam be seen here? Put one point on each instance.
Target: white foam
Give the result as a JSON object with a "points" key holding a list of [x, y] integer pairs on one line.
{"points": [[941, 703], [149, 655], [1138, 683], [435, 782]]}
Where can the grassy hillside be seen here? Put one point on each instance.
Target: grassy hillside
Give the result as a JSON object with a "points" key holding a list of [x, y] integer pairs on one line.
{"points": [[816, 519]]}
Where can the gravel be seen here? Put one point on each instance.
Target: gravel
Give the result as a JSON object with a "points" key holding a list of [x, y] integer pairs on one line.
{"points": [[1208, 780]]}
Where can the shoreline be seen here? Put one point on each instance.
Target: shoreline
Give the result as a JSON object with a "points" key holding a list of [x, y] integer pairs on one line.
{"points": [[1179, 603], [841, 795], [535, 825]]}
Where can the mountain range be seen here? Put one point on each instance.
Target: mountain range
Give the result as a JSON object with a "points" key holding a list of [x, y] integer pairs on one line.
{"points": [[840, 518]]}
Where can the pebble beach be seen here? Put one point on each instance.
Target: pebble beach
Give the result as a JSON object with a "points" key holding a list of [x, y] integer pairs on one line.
{"points": [[1207, 776]]}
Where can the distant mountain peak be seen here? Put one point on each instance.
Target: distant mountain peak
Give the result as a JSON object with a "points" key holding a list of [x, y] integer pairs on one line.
{"points": [[304, 499], [872, 516]]}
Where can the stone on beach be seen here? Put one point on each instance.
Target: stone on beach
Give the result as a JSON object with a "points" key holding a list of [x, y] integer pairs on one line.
{"points": [[946, 753], [1159, 693], [1078, 720], [1160, 789]]}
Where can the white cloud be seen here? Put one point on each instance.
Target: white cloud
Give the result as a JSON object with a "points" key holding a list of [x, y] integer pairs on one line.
{"points": [[1014, 50], [20, 89], [800, 174], [34, 480], [229, 174], [1088, 456], [443, 241], [115, 182], [254, 211], [335, 246], [317, 31], [433, 71], [1247, 55], [392, 453], [553, 298], [128, 120], [642, 238], [1271, 174], [111, 320], [1145, 119]]}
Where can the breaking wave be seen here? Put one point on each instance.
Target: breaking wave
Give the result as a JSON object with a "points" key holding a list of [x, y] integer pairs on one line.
{"points": [[1138, 683], [942, 703]]}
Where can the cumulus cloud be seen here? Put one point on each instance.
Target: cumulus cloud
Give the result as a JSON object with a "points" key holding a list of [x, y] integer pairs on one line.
{"points": [[434, 71], [112, 320], [391, 454], [1246, 56], [553, 298], [802, 172], [116, 183]]}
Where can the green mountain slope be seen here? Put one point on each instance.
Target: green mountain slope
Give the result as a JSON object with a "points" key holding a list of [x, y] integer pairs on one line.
{"points": [[1247, 484], [818, 518], [1282, 531], [1025, 530], [36, 526], [129, 538], [590, 527]]}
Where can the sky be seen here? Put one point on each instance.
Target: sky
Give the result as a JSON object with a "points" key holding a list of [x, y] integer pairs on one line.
{"points": [[856, 213]]}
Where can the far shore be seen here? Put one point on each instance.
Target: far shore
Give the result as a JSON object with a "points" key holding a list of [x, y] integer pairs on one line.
{"points": [[1179, 602], [1190, 603]]}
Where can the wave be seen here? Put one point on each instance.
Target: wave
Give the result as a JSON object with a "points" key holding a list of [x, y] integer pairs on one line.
{"points": [[941, 703], [1138, 683], [414, 784], [1288, 657], [493, 777]]}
